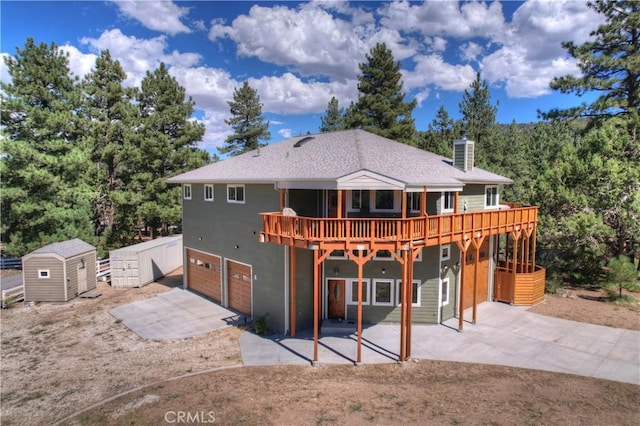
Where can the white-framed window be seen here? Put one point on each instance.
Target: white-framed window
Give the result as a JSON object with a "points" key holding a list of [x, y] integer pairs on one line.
{"points": [[186, 191], [448, 200], [414, 201], [383, 255], [352, 297], [491, 197], [44, 274], [444, 291], [383, 292], [384, 201], [355, 200], [208, 192], [235, 194], [415, 293], [338, 254], [445, 252]]}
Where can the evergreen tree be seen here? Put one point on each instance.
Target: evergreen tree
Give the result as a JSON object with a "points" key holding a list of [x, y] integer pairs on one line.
{"points": [[247, 121], [166, 147], [478, 115], [45, 195], [440, 135], [609, 65], [332, 120], [381, 108], [109, 119]]}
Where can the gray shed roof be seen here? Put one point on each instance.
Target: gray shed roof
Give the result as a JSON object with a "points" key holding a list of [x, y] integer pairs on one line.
{"points": [[334, 155], [66, 249]]}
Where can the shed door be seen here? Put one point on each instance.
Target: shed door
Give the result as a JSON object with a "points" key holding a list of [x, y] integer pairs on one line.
{"points": [[239, 286], [82, 277], [482, 284], [204, 274]]}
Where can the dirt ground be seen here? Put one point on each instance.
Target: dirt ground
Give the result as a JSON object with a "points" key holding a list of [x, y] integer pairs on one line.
{"points": [[58, 359]]}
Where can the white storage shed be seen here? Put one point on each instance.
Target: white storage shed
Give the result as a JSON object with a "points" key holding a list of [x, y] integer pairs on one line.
{"points": [[140, 264]]}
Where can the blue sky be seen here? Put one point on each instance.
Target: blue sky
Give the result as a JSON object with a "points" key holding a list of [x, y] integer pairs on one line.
{"points": [[298, 55]]}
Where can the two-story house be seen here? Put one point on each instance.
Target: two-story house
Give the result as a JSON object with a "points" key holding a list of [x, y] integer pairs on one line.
{"points": [[354, 228]]}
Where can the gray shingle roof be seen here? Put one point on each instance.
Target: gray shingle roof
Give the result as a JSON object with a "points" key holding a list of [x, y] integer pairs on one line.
{"points": [[66, 249], [329, 156]]}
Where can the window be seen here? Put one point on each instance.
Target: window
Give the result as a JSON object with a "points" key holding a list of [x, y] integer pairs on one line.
{"points": [[235, 194], [383, 255], [384, 200], [338, 254], [383, 292], [44, 274], [415, 293], [448, 200], [186, 191], [491, 196], [356, 200], [208, 192], [445, 252], [444, 291], [414, 201], [353, 292]]}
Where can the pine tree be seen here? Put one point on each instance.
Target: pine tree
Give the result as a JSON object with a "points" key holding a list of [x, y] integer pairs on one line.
{"points": [[166, 147], [247, 121], [45, 195], [609, 65], [109, 119], [478, 115], [381, 108], [440, 135], [332, 120]]}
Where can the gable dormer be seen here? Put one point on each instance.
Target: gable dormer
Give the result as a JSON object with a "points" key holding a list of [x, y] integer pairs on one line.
{"points": [[463, 153]]}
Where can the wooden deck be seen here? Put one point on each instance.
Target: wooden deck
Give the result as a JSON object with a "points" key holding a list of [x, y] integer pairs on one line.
{"points": [[345, 233]]}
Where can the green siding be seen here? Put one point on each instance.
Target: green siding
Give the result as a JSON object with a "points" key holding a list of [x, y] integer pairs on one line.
{"points": [[474, 197], [304, 289], [219, 227]]}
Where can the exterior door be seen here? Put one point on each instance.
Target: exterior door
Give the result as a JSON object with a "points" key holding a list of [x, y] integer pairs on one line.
{"points": [[239, 287], [336, 299], [482, 284], [82, 277]]}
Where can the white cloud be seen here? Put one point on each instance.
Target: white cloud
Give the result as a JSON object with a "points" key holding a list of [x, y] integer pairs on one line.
{"points": [[210, 88], [79, 63], [444, 18], [285, 133], [288, 94], [309, 39], [531, 53], [4, 70], [470, 51], [137, 55], [433, 70], [162, 16]]}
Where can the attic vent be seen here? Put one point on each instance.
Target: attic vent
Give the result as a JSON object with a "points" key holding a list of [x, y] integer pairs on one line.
{"points": [[302, 141]]}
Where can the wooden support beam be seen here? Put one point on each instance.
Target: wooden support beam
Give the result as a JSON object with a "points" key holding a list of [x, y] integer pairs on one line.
{"points": [[463, 251], [403, 309], [404, 205], [533, 250], [282, 199], [423, 202], [316, 303], [516, 237], [477, 243], [360, 260], [292, 292], [339, 214], [455, 202]]}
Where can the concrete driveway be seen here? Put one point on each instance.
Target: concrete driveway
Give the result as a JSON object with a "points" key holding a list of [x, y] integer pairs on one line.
{"points": [[504, 335], [176, 314]]}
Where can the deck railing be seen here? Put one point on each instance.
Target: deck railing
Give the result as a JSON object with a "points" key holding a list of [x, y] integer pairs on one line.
{"points": [[424, 230]]}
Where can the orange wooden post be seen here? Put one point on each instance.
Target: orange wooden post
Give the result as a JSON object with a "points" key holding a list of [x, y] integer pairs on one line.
{"points": [[516, 236], [533, 250], [477, 243], [455, 202], [282, 199], [316, 302], [404, 205], [403, 309], [463, 250], [339, 204], [359, 351], [292, 284]]}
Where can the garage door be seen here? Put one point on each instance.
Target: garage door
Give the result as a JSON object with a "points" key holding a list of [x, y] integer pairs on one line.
{"points": [[482, 283], [239, 286], [204, 274]]}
